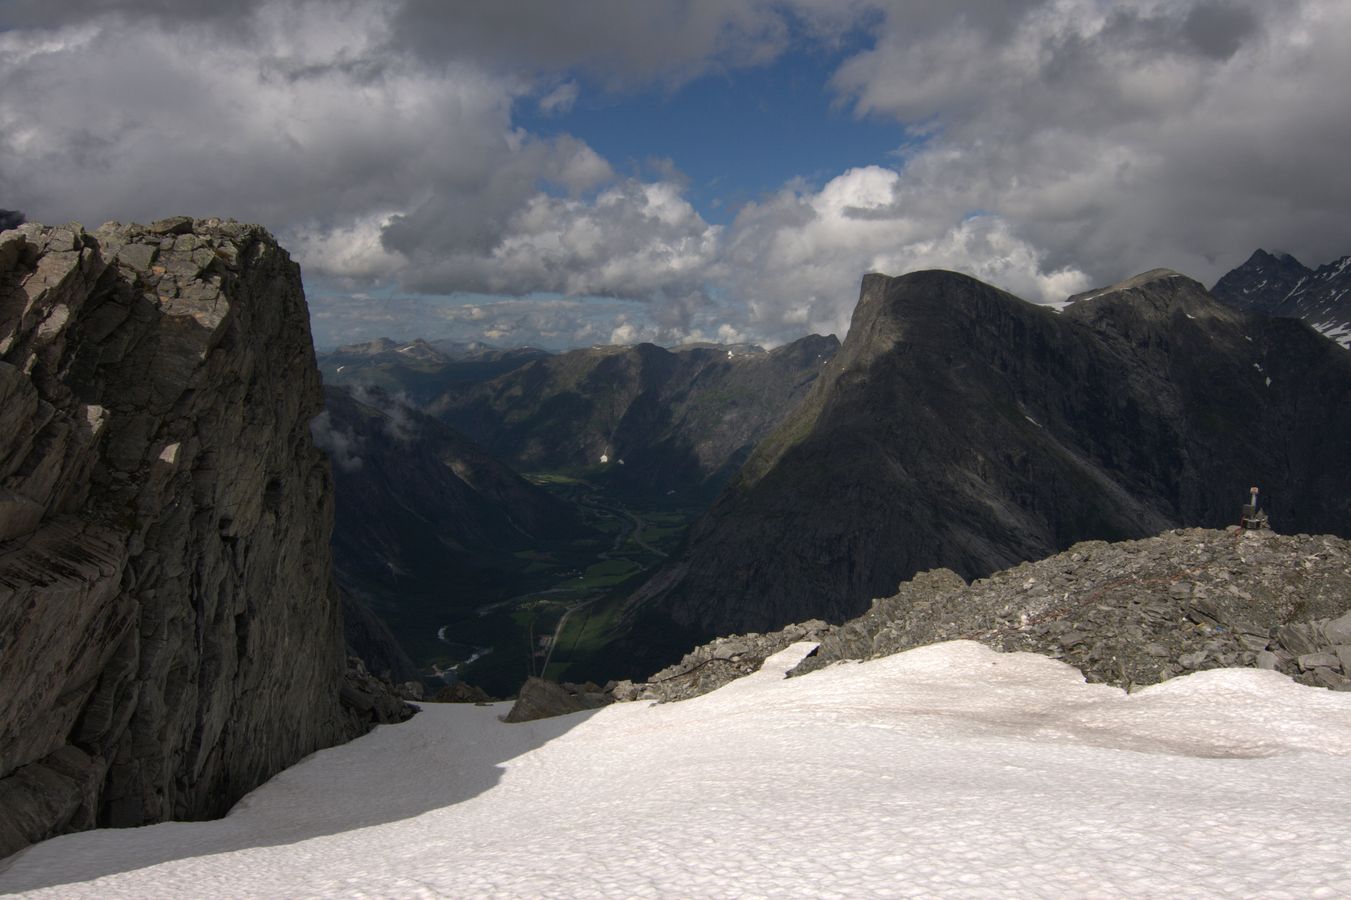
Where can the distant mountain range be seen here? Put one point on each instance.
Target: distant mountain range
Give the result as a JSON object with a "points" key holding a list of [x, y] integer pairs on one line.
{"points": [[962, 427], [958, 427], [1280, 285], [658, 421], [419, 370]]}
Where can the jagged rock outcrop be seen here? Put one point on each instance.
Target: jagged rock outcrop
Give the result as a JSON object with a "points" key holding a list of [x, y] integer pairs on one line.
{"points": [[1137, 612], [1130, 613], [1280, 285], [963, 428], [722, 661], [168, 635]]}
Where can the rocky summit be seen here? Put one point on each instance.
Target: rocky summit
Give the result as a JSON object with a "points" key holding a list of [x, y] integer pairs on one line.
{"points": [[168, 635], [960, 427], [1130, 613], [1280, 285]]}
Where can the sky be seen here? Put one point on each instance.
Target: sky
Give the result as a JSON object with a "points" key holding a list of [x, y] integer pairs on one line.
{"points": [[563, 174], [945, 771]]}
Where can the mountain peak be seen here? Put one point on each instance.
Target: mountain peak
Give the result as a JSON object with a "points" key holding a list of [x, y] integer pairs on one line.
{"points": [[1280, 285], [962, 427], [1129, 284]]}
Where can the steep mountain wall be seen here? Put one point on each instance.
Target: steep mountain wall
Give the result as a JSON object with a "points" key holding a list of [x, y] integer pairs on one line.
{"points": [[961, 427], [168, 635]]}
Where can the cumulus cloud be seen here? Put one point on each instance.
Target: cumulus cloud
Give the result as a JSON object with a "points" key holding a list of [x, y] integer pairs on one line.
{"points": [[1054, 144], [797, 257], [1118, 137], [631, 239]]}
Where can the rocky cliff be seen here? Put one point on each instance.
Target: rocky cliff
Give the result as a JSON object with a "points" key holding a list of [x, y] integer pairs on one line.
{"points": [[961, 427], [168, 635]]}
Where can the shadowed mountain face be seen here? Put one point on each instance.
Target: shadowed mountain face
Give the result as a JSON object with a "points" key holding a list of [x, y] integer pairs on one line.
{"points": [[962, 427], [424, 516], [1280, 285], [679, 420], [411, 490]]}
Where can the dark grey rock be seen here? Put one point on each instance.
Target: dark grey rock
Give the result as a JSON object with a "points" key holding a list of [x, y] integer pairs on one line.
{"points": [[170, 639], [540, 699], [1299, 639], [1338, 630], [1308, 661], [1193, 660]]}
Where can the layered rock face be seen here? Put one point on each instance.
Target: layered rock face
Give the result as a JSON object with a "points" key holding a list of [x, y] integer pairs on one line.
{"points": [[961, 427], [168, 635]]}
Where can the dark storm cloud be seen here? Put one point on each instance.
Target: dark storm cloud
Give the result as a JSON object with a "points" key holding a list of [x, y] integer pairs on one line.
{"points": [[617, 41], [47, 14], [1218, 29]]}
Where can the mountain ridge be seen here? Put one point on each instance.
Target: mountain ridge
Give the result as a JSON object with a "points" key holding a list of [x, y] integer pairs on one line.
{"points": [[960, 426]]}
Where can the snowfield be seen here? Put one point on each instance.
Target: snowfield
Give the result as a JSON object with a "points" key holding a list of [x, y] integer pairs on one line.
{"points": [[949, 770]]}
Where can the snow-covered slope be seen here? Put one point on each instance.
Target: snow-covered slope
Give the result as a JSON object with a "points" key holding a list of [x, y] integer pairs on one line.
{"points": [[945, 771]]}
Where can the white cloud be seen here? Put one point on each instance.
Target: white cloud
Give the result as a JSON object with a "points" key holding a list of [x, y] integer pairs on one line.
{"points": [[342, 446], [797, 258], [559, 100], [1057, 142], [1121, 137]]}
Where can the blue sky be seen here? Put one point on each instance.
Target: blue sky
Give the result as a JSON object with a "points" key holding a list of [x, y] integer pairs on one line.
{"points": [[735, 135], [562, 174]]}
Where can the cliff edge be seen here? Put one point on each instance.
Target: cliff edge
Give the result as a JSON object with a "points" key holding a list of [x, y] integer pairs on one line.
{"points": [[169, 637]]}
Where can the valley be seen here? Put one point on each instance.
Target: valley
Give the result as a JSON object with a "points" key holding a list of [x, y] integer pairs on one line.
{"points": [[497, 508], [564, 604]]}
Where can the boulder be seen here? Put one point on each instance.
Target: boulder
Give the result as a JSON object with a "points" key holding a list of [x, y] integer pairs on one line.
{"points": [[540, 699]]}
